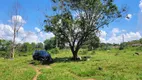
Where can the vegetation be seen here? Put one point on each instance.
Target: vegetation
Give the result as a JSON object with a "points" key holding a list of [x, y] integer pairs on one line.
{"points": [[20, 50], [50, 43], [103, 65]]}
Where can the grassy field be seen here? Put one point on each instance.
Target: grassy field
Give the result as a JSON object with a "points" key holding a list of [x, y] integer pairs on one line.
{"points": [[103, 65]]}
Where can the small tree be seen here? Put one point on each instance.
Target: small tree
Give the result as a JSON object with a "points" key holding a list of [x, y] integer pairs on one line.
{"points": [[91, 15], [16, 23]]}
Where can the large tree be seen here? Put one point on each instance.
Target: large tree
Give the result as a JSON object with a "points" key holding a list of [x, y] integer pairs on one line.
{"points": [[76, 20]]}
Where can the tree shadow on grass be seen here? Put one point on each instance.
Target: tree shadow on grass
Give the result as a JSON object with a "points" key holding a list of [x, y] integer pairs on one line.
{"points": [[59, 60], [36, 62], [69, 59]]}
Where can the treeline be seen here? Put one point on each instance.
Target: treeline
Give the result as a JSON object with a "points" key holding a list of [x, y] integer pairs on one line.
{"points": [[21, 48], [134, 43], [55, 44], [124, 45]]}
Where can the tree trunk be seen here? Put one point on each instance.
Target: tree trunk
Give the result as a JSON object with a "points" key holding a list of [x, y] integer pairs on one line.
{"points": [[56, 39], [75, 56], [75, 53], [13, 44], [13, 51]]}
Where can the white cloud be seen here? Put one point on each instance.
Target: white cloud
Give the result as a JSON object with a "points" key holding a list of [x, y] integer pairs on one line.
{"points": [[17, 19], [43, 35], [31, 37], [123, 30], [127, 37], [140, 5], [103, 34], [37, 29], [119, 37], [6, 32], [23, 36], [115, 31], [128, 17]]}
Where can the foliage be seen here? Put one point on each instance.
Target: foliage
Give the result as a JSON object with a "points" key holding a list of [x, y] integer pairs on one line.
{"points": [[140, 40], [39, 46], [49, 43], [122, 46], [25, 47], [5, 48], [54, 51], [105, 46], [75, 30], [93, 42], [21, 49], [4, 45], [33, 45]]}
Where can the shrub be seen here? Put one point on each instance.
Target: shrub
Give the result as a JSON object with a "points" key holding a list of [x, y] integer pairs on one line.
{"points": [[4, 54], [93, 52], [54, 51], [122, 46], [83, 51], [35, 62]]}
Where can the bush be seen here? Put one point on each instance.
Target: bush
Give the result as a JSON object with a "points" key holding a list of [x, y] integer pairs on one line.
{"points": [[83, 51], [35, 62], [122, 46], [4, 54], [93, 52], [54, 51], [139, 48]]}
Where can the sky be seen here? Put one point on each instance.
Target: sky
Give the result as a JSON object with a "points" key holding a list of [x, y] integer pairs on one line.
{"points": [[33, 15]]}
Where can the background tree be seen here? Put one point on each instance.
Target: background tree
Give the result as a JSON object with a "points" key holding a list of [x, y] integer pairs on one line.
{"points": [[50, 43], [33, 45], [123, 46], [39, 46], [76, 29], [4, 48]]}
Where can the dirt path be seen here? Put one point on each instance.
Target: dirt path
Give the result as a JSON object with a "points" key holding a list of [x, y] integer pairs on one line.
{"points": [[37, 73], [37, 69], [91, 79]]}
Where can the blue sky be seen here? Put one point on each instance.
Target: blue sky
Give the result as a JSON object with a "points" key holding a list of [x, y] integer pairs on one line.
{"points": [[34, 10]]}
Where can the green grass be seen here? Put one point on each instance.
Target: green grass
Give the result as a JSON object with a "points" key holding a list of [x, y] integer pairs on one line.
{"points": [[17, 69], [103, 65]]}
